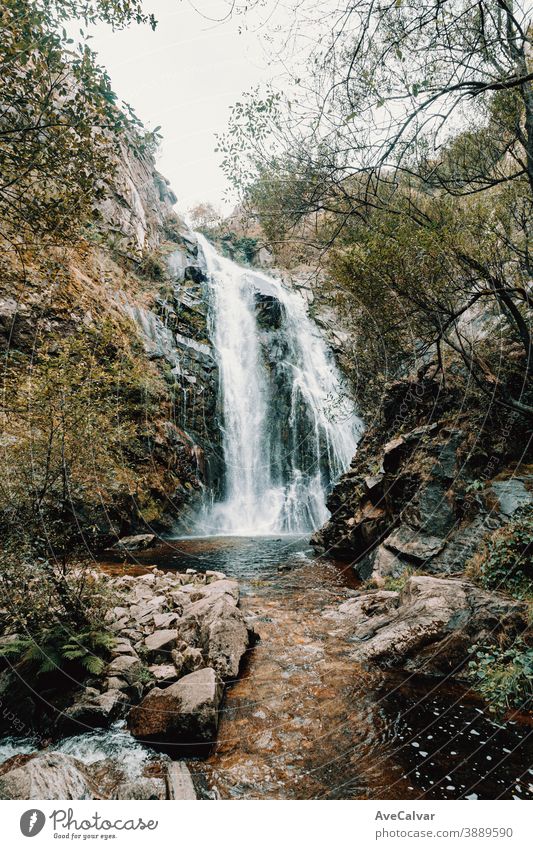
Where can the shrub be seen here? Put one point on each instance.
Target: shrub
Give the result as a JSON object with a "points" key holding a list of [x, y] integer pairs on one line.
{"points": [[57, 612], [506, 563], [504, 677], [398, 583]]}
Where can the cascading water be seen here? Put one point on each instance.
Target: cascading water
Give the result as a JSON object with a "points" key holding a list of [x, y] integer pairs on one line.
{"points": [[288, 428]]}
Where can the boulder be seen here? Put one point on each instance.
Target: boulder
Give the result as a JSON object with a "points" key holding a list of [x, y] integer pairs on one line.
{"points": [[93, 711], [165, 620], [147, 608], [138, 542], [221, 588], [123, 646], [125, 666], [379, 564], [164, 673], [184, 715], [223, 632], [513, 494], [413, 544], [429, 627], [227, 640], [160, 644], [191, 659], [141, 788], [48, 775]]}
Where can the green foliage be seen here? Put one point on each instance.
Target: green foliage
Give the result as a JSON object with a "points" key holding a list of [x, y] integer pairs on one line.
{"points": [[152, 266], [75, 424], [507, 562], [397, 584], [504, 677], [60, 122], [241, 249], [416, 210], [57, 647]]}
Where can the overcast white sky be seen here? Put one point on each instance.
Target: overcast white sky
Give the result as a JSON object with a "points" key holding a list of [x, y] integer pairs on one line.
{"points": [[185, 76]]}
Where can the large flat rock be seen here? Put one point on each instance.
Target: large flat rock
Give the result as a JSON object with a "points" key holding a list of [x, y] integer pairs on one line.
{"points": [[430, 626], [183, 715]]}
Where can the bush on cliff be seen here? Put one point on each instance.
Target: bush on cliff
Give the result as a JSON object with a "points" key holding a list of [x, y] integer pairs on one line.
{"points": [[506, 560], [504, 677]]}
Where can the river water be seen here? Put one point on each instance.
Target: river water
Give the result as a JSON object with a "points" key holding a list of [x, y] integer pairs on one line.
{"points": [[305, 721]]}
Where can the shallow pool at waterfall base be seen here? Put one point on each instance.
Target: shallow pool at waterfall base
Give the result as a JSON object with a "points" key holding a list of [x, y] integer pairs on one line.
{"points": [[304, 720], [247, 559]]}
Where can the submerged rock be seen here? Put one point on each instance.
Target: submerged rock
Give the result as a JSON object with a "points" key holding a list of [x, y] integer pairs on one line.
{"points": [[138, 542]]}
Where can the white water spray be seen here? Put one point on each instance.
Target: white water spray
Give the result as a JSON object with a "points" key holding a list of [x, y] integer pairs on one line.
{"points": [[288, 428]]}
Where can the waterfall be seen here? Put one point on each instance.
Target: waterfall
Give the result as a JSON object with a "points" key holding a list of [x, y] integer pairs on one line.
{"points": [[288, 428]]}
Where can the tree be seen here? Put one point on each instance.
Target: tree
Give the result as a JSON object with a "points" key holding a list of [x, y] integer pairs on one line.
{"points": [[59, 117], [412, 109]]}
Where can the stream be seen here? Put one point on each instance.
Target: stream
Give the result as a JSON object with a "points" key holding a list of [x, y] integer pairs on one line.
{"points": [[303, 721]]}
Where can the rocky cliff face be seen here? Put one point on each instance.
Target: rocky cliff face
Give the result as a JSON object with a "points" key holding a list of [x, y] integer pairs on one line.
{"points": [[138, 271], [425, 487]]}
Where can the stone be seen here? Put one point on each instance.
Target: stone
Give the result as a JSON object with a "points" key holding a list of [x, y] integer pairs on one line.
{"points": [[180, 599], [137, 542], [164, 673], [165, 620], [191, 659], [117, 613], [114, 683], [179, 782], [512, 494], [221, 588], [431, 509], [142, 788], [214, 576], [429, 627], [369, 604], [160, 643], [380, 564], [227, 640], [125, 666], [147, 608], [177, 659], [374, 487], [47, 775], [123, 646], [93, 711], [413, 544], [183, 716], [392, 454]]}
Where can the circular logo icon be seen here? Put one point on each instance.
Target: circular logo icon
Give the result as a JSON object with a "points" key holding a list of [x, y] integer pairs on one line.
{"points": [[32, 822]]}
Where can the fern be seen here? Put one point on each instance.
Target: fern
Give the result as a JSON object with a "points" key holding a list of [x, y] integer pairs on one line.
{"points": [[52, 649], [93, 664]]}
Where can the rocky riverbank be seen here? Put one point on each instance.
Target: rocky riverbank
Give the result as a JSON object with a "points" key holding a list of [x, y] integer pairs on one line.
{"points": [[178, 639]]}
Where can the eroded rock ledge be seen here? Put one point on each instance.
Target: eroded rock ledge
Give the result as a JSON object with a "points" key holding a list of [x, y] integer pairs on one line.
{"points": [[430, 626], [424, 488]]}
